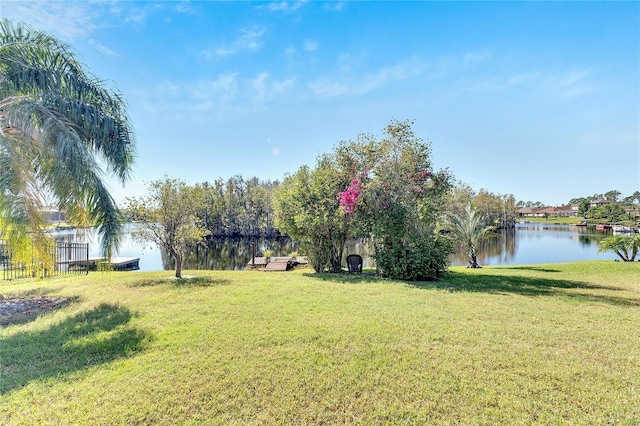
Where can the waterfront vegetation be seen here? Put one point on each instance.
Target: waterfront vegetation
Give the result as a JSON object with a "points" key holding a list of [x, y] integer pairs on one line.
{"points": [[555, 220], [558, 220], [530, 344]]}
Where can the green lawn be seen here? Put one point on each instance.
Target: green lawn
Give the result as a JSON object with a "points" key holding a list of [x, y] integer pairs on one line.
{"points": [[536, 344]]}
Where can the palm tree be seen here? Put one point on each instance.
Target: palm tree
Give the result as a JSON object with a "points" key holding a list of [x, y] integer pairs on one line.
{"points": [[627, 247], [468, 229], [63, 134]]}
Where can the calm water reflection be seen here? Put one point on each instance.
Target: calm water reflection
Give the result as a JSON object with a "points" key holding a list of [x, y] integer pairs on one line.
{"points": [[540, 243], [526, 244]]}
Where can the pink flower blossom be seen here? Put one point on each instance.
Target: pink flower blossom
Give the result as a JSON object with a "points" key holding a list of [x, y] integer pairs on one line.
{"points": [[349, 198]]}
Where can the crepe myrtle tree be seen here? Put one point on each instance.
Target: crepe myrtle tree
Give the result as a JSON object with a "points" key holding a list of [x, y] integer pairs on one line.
{"points": [[61, 132], [396, 198], [167, 217]]}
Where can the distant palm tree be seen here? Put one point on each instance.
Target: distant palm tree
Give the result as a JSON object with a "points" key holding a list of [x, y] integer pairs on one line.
{"points": [[61, 131], [468, 229], [625, 246]]}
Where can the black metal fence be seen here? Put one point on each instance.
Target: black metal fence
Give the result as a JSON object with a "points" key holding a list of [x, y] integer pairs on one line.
{"points": [[67, 258]]}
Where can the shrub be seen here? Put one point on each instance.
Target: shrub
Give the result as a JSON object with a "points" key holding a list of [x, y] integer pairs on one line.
{"points": [[423, 258]]}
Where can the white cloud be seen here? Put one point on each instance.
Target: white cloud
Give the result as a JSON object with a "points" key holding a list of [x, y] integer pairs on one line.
{"points": [[264, 88], [471, 58], [328, 89], [310, 46], [223, 88], [68, 20], [215, 97], [184, 6], [568, 85], [336, 6], [73, 20], [574, 84], [285, 6], [102, 48], [346, 84], [522, 78], [249, 39]]}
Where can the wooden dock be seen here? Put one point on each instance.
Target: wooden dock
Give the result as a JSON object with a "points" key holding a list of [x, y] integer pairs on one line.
{"points": [[117, 263], [256, 262], [278, 264]]}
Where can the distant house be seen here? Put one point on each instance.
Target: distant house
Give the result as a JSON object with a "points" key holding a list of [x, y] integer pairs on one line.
{"points": [[567, 211], [562, 211], [526, 212], [600, 202]]}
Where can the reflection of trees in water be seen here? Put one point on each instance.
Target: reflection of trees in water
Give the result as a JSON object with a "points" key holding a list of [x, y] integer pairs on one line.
{"points": [[230, 253], [586, 240], [235, 253], [503, 248]]}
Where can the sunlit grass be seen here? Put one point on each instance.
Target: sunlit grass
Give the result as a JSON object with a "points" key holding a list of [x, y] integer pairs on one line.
{"points": [[535, 344], [554, 220]]}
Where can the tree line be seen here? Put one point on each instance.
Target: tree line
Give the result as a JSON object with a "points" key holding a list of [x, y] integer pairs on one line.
{"points": [[381, 188]]}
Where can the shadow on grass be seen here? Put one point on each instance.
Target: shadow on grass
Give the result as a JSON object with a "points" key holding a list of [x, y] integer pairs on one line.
{"points": [[181, 282], [527, 286], [500, 284], [87, 339], [529, 268]]}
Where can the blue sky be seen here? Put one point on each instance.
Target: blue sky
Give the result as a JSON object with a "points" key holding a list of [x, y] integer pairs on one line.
{"points": [[536, 99]]}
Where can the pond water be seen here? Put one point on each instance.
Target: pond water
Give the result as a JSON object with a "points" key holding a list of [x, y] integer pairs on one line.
{"points": [[531, 243], [528, 243]]}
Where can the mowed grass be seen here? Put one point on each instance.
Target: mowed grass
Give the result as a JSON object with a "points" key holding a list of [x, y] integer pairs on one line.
{"points": [[535, 344]]}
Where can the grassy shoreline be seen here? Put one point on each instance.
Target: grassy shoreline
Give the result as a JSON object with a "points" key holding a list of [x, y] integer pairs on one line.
{"points": [[554, 220], [573, 221], [529, 344]]}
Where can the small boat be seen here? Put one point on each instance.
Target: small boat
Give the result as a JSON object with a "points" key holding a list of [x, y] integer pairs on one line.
{"points": [[581, 224], [621, 229], [603, 227]]}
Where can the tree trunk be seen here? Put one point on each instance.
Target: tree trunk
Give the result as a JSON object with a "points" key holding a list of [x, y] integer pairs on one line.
{"points": [[178, 259], [473, 261]]}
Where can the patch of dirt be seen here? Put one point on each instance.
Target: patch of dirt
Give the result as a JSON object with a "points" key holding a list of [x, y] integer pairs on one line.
{"points": [[28, 305]]}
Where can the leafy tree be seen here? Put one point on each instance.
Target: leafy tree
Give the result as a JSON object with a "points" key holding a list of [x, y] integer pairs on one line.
{"points": [[60, 128], [238, 207], [168, 218], [610, 212], [633, 198], [577, 201], [461, 195], [468, 230], [307, 209], [626, 247], [612, 195], [396, 199], [583, 207]]}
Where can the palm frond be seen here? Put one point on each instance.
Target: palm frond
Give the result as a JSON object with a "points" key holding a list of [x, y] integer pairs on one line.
{"points": [[57, 125]]}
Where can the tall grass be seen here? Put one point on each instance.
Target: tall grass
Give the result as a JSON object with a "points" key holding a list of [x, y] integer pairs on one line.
{"points": [[543, 344]]}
